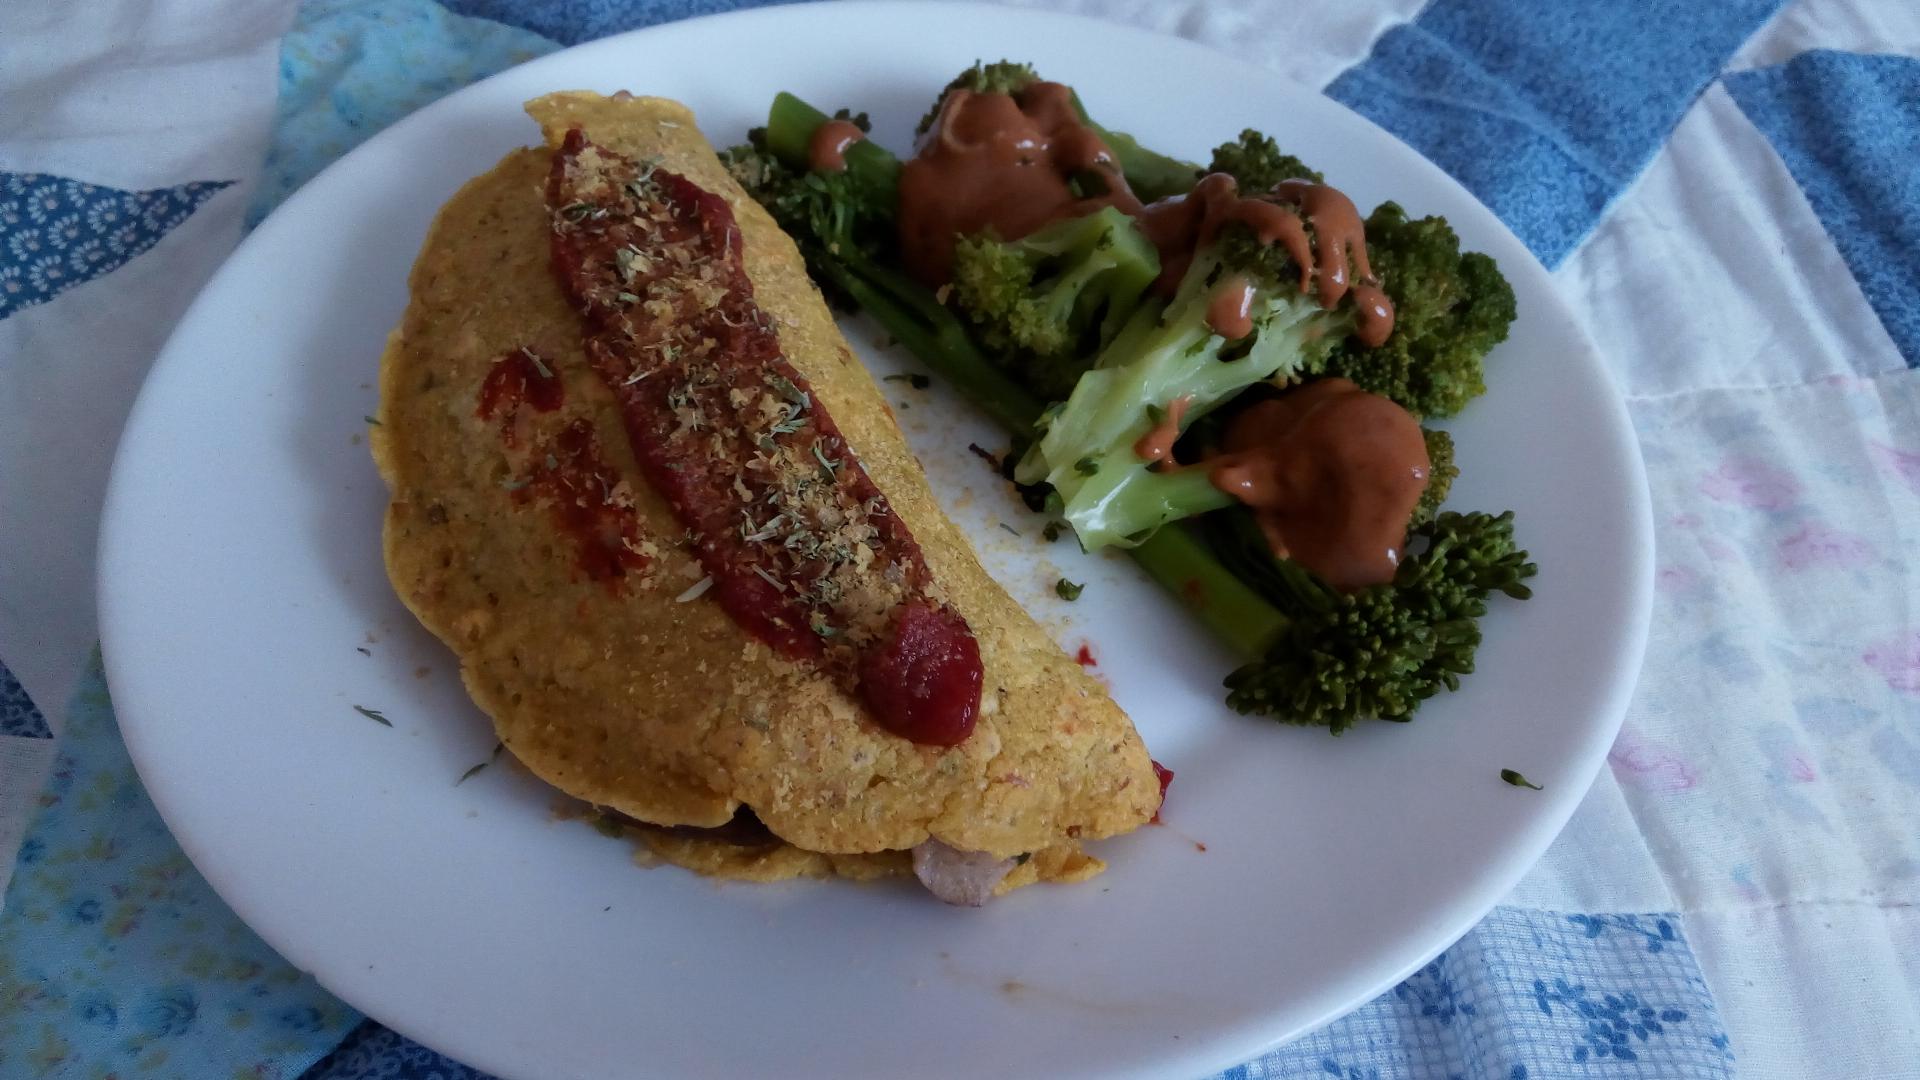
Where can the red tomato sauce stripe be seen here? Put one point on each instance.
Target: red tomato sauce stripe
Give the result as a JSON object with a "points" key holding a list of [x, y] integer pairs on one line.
{"points": [[804, 551]]}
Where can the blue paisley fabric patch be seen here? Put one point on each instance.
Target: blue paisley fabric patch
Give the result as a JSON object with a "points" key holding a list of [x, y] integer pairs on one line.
{"points": [[56, 233], [1547, 117], [116, 957], [1848, 127], [19, 716]]}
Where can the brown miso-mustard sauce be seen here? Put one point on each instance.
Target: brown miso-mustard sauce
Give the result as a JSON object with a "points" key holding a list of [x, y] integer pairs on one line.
{"points": [[991, 161], [1157, 444], [1332, 473], [1008, 164], [1372, 314], [1230, 312], [1335, 253], [827, 149]]}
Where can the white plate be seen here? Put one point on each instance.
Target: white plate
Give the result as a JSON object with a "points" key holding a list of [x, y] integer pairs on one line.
{"points": [[240, 575]]}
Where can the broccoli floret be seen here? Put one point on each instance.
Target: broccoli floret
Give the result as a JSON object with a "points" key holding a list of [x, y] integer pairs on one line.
{"points": [[1164, 354], [1441, 472], [1256, 162], [1450, 309], [1381, 651], [1048, 301], [1003, 77]]}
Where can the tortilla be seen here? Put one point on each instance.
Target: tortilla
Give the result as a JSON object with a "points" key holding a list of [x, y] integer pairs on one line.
{"points": [[643, 696]]}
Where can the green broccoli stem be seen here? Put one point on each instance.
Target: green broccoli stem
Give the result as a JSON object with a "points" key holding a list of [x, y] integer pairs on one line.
{"points": [[906, 310], [1172, 556], [1182, 564], [791, 123], [1144, 499], [1151, 175], [1187, 568]]}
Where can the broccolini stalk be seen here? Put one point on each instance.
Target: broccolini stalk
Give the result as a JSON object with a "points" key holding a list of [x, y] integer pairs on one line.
{"points": [[1152, 176], [791, 123]]}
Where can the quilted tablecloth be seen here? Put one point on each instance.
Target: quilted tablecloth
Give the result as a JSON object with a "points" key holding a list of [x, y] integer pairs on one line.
{"points": [[1731, 194]]}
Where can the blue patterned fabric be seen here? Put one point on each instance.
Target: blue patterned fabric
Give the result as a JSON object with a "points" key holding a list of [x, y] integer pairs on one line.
{"points": [[1848, 127], [1530, 994], [19, 716], [56, 233], [116, 957], [1547, 117], [350, 67], [574, 21], [372, 1052]]}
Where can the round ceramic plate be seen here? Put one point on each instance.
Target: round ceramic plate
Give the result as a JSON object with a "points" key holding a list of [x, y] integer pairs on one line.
{"points": [[244, 613]]}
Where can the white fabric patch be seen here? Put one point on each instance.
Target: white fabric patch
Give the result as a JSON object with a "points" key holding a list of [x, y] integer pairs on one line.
{"points": [[23, 774], [1772, 754], [1308, 45], [1815, 989], [1833, 24], [55, 455], [1598, 863], [136, 94]]}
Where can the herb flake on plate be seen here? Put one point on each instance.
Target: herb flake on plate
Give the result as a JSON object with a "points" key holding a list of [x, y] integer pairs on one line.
{"points": [[469, 774]]}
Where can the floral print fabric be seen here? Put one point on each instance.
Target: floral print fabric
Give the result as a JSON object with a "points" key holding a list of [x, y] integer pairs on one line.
{"points": [[116, 957]]}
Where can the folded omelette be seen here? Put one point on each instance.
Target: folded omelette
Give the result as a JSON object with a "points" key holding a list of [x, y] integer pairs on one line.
{"points": [[665, 519]]}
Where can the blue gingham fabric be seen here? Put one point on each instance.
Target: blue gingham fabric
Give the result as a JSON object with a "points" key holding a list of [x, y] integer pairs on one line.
{"points": [[1744, 878]]}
